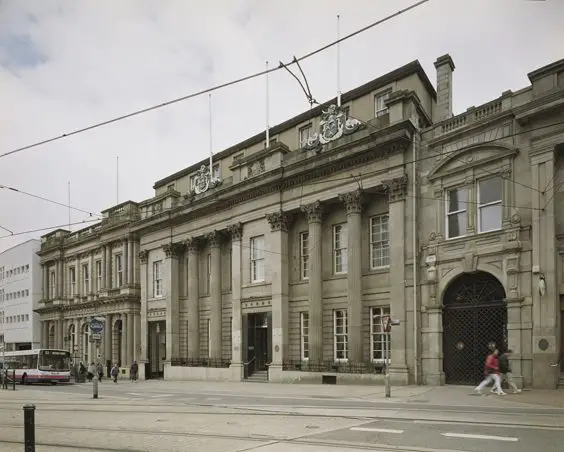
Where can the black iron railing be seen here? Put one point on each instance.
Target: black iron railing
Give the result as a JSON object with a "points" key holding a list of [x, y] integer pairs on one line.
{"points": [[335, 366], [200, 362]]}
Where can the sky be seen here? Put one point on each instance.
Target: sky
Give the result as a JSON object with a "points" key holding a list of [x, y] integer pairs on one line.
{"points": [[68, 64]]}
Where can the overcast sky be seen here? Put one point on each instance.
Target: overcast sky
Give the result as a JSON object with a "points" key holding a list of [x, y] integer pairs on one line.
{"points": [[66, 64]]}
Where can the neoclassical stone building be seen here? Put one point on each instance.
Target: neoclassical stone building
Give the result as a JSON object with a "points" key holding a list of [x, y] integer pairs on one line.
{"points": [[282, 261], [93, 273]]}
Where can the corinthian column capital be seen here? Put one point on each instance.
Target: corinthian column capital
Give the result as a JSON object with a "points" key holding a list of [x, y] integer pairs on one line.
{"points": [[313, 211], [352, 201]]}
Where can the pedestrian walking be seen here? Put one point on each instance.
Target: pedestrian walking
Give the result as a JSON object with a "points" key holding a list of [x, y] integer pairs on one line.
{"points": [[133, 371], [114, 373], [505, 372], [100, 370], [491, 371]]}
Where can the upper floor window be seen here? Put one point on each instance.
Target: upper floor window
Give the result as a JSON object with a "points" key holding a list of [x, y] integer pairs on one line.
{"points": [[304, 133], [340, 248], [379, 242], [340, 335], [119, 270], [85, 278], [98, 275], [457, 212], [490, 192], [72, 282], [257, 259], [157, 279], [380, 99], [304, 255]]}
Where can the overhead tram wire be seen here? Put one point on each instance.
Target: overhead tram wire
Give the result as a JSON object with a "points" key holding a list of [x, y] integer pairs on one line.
{"points": [[214, 88], [59, 226]]}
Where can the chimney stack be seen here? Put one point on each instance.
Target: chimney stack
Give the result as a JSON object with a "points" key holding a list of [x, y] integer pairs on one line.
{"points": [[445, 67]]}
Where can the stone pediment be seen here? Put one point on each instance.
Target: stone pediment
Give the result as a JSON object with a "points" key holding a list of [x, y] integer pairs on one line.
{"points": [[470, 157]]}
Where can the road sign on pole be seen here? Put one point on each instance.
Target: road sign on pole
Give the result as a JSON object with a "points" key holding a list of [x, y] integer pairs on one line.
{"points": [[97, 325]]}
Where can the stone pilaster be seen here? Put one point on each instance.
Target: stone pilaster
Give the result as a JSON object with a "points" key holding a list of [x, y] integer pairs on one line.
{"points": [[91, 274], [108, 338], [104, 283], [397, 192], [144, 321], [125, 263], [130, 261], [314, 213], [192, 246], [353, 206], [45, 274], [130, 338], [214, 242], [279, 225], [136, 336], [60, 279], [123, 342], [173, 252], [108, 269], [236, 232]]}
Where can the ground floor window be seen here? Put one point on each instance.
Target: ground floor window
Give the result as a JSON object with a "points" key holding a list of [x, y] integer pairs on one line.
{"points": [[341, 335], [304, 334], [379, 340]]}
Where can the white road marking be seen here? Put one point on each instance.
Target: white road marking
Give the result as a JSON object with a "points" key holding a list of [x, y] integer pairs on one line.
{"points": [[135, 394], [487, 437], [212, 399], [162, 395], [375, 430], [486, 424]]}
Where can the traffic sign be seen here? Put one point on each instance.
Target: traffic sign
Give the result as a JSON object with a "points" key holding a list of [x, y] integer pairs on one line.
{"points": [[96, 336], [97, 325]]}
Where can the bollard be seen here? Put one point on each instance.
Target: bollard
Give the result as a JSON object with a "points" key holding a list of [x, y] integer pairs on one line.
{"points": [[95, 387], [29, 428], [14, 380]]}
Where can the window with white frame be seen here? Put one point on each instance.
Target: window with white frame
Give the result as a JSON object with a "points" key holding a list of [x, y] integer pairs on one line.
{"points": [[379, 339], [457, 212], [98, 275], [72, 281], [379, 241], [119, 270], [257, 259], [380, 108], [340, 248], [490, 192], [85, 279], [157, 279], [304, 255], [304, 133], [340, 335], [52, 285], [304, 335]]}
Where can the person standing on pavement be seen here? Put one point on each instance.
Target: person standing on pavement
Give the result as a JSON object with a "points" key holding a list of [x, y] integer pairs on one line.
{"points": [[133, 371], [505, 371], [100, 370], [491, 370], [114, 373]]}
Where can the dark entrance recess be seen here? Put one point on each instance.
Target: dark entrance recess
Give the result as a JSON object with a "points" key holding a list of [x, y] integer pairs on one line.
{"points": [[474, 318], [258, 342]]}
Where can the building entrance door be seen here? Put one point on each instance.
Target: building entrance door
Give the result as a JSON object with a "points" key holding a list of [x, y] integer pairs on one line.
{"points": [[474, 320], [259, 343]]}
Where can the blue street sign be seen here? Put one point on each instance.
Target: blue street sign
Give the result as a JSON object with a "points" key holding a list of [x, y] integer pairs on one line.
{"points": [[97, 325]]}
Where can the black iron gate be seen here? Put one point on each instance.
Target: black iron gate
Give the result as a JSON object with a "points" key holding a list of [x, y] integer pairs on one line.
{"points": [[474, 318]]}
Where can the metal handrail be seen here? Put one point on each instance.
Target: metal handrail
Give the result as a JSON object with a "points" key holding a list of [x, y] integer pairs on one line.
{"points": [[252, 360]]}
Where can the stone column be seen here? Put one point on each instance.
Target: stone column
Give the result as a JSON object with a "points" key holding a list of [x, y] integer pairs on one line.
{"points": [[123, 342], [104, 268], [125, 262], [214, 241], [237, 367], [60, 281], [44, 327], [108, 269], [279, 225], [92, 274], [136, 262], [396, 189], [193, 300], [314, 213], [108, 338], [173, 251], [61, 334], [143, 321], [45, 270], [353, 205], [136, 336], [130, 261], [130, 338]]}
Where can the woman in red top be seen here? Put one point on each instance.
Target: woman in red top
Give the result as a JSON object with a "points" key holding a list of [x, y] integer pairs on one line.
{"points": [[491, 370]]}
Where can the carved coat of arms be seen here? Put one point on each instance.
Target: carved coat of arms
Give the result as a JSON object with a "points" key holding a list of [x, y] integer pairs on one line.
{"points": [[204, 181], [333, 125]]}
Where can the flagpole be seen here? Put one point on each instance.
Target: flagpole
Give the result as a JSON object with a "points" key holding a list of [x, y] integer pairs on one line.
{"points": [[211, 138], [267, 110], [338, 61], [69, 205], [117, 180]]}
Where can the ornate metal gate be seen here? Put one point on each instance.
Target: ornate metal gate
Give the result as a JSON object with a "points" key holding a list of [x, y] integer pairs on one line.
{"points": [[474, 317]]}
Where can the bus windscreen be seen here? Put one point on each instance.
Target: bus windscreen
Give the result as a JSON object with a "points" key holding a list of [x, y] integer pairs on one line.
{"points": [[54, 360]]}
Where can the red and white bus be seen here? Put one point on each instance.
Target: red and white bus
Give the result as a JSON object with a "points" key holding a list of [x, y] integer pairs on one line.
{"points": [[38, 366]]}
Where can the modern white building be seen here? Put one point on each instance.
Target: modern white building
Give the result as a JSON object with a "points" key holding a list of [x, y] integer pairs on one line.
{"points": [[20, 292]]}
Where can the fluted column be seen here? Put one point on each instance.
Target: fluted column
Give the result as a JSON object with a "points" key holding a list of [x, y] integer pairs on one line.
{"points": [[130, 261], [130, 338], [279, 224], [214, 241], [108, 338], [353, 206], [123, 342], [143, 320], [173, 251], [236, 232], [104, 268], [397, 191], [193, 299], [314, 213]]}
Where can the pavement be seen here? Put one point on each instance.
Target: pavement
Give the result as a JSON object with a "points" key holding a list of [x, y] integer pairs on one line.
{"points": [[164, 416]]}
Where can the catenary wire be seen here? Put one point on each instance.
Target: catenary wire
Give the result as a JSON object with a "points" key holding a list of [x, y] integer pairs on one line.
{"points": [[214, 88]]}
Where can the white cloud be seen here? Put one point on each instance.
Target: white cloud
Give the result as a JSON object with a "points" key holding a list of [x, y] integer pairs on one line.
{"points": [[95, 60]]}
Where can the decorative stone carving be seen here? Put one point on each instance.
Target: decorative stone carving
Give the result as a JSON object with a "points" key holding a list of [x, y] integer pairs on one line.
{"points": [[204, 180], [143, 256], [396, 188], [333, 125], [313, 211], [512, 275], [192, 244], [279, 221], [213, 238], [173, 250], [235, 231], [430, 262], [352, 201], [256, 168], [470, 262]]}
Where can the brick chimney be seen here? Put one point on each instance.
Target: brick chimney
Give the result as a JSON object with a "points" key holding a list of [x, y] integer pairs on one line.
{"points": [[445, 67]]}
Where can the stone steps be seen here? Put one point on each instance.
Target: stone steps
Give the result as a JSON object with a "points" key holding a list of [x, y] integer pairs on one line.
{"points": [[258, 377]]}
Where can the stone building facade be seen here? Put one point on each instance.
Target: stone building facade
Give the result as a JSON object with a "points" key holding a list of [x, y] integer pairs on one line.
{"points": [[93, 273], [282, 261]]}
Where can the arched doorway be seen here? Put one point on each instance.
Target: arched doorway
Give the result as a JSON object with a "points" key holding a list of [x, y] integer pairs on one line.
{"points": [[474, 317]]}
